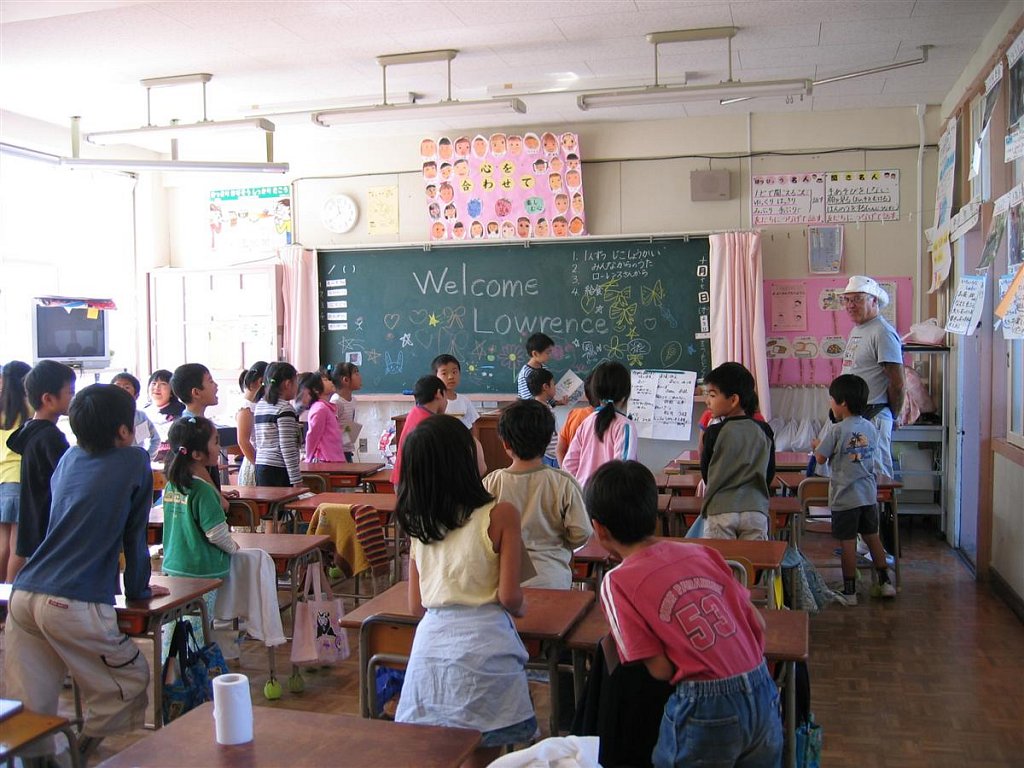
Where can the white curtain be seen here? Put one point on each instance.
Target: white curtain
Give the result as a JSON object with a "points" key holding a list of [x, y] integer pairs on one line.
{"points": [[301, 307], [737, 307]]}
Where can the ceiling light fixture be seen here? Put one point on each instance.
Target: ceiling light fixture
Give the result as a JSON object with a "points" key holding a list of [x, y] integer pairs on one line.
{"points": [[176, 130], [449, 107], [729, 90]]}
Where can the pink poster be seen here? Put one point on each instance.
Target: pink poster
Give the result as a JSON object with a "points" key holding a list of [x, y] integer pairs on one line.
{"points": [[504, 186], [813, 353]]}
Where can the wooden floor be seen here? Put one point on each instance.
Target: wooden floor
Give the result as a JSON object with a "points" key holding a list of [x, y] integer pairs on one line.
{"points": [[933, 678]]}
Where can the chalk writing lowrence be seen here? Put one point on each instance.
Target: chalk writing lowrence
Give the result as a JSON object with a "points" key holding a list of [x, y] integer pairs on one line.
{"points": [[661, 403], [638, 302]]}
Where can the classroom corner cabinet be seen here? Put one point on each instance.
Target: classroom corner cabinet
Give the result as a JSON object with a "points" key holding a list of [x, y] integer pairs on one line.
{"points": [[920, 451], [225, 319]]}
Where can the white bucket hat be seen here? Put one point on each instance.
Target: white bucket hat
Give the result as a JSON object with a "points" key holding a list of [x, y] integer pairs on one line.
{"points": [[863, 284]]}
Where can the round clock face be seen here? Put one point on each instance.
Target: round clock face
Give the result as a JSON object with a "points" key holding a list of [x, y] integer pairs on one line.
{"points": [[339, 213]]}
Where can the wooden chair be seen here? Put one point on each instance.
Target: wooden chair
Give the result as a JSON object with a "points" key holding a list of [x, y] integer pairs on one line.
{"points": [[385, 640], [743, 570], [242, 514], [316, 483], [359, 544]]}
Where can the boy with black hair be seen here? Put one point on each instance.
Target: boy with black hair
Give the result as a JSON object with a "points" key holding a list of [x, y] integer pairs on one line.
{"points": [[146, 435], [737, 459], [61, 617], [550, 502], [195, 387], [851, 446], [677, 608], [538, 347], [49, 386], [429, 394], [449, 370], [541, 383]]}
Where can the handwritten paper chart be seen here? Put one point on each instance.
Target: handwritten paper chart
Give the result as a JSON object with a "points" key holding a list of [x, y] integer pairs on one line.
{"points": [[825, 197], [968, 303], [661, 403]]}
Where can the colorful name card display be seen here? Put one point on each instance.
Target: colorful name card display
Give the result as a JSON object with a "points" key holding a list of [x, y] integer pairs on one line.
{"points": [[807, 326], [504, 186], [832, 197], [250, 219]]}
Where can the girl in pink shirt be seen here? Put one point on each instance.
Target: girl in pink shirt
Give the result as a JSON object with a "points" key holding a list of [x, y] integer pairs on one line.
{"points": [[607, 434], [323, 437]]}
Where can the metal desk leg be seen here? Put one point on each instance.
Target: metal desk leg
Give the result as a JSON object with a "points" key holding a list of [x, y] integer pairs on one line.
{"points": [[553, 683], [895, 536], [790, 694], [579, 674]]}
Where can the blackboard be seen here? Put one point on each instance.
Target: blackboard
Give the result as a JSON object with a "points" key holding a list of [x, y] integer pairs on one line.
{"points": [[643, 302]]}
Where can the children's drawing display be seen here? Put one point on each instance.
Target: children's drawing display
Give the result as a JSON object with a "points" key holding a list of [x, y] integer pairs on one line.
{"points": [[643, 303]]}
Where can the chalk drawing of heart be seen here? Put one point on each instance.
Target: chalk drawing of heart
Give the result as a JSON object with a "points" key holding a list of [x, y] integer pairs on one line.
{"points": [[588, 303], [391, 320], [418, 316], [426, 337], [650, 323]]}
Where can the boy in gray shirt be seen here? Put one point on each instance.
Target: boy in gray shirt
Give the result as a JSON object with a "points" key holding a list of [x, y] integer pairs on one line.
{"points": [[850, 446]]}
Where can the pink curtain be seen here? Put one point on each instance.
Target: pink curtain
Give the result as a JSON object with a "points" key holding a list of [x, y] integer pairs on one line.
{"points": [[737, 307], [299, 292]]}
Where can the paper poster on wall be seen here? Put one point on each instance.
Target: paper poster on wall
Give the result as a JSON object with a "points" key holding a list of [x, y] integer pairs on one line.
{"points": [[814, 355], [993, 241], [789, 307], [862, 195], [382, 210], [1013, 321], [504, 186], [250, 219], [661, 403], [825, 249], [790, 198], [965, 311], [942, 260], [1012, 297], [947, 166]]}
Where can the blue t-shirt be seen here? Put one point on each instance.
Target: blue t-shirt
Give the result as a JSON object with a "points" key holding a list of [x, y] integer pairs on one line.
{"points": [[100, 505], [850, 446]]}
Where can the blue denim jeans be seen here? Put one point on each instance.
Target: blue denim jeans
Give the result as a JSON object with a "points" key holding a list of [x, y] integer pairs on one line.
{"points": [[729, 722]]}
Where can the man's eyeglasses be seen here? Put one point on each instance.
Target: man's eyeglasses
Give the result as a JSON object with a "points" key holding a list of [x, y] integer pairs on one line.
{"points": [[853, 298]]}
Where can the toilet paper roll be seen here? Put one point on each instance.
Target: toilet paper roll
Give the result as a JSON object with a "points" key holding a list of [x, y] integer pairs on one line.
{"points": [[232, 709]]}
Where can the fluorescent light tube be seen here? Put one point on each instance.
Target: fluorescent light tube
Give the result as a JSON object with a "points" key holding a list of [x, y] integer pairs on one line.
{"points": [[379, 113], [178, 130], [172, 165], [659, 94]]}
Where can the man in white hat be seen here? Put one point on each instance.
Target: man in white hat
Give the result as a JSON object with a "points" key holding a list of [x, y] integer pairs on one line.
{"points": [[874, 353]]}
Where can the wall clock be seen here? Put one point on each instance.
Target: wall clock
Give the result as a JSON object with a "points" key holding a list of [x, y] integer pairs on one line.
{"points": [[339, 213]]}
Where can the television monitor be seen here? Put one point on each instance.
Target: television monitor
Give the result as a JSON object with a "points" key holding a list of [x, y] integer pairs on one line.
{"points": [[68, 331]]}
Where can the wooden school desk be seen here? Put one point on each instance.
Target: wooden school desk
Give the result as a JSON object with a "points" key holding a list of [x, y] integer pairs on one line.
{"points": [[786, 641], [262, 501], [340, 474], [289, 551], [144, 618], [784, 460], [23, 728], [300, 740], [550, 615], [785, 510], [763, 555]]}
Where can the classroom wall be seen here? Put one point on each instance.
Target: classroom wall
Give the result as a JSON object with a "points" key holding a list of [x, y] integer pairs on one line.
{"points": [[1008, 532]]}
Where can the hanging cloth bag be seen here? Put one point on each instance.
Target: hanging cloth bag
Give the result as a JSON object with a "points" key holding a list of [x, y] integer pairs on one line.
{"points": [[318, 637]]}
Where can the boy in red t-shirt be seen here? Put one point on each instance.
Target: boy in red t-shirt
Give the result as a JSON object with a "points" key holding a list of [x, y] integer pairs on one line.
{"points": [[677, 608]]}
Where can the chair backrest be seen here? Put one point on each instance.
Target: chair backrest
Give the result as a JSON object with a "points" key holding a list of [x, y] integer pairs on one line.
{"points": [[813, 491], [742, 570], [384, 640], [242, 514], [315, 483]]}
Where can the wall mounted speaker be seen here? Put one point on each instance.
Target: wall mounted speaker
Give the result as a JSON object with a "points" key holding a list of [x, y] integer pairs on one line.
{"points": [[706, 186]]}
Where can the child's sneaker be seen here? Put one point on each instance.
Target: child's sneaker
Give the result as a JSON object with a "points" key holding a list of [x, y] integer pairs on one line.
{"points": [[845, 599], [883, 590]]}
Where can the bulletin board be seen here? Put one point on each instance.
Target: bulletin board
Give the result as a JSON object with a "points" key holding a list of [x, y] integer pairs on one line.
{"points": [[806, 327]]}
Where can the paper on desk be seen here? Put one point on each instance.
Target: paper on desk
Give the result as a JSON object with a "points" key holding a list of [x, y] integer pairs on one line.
{"points": [[569, 387], [526, 569]]}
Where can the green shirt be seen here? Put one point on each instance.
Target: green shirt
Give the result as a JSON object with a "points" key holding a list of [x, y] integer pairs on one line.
{"points": [[187, 551]]}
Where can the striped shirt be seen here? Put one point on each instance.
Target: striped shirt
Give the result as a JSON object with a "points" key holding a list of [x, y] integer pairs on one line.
{"points": [[276, 437]]}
